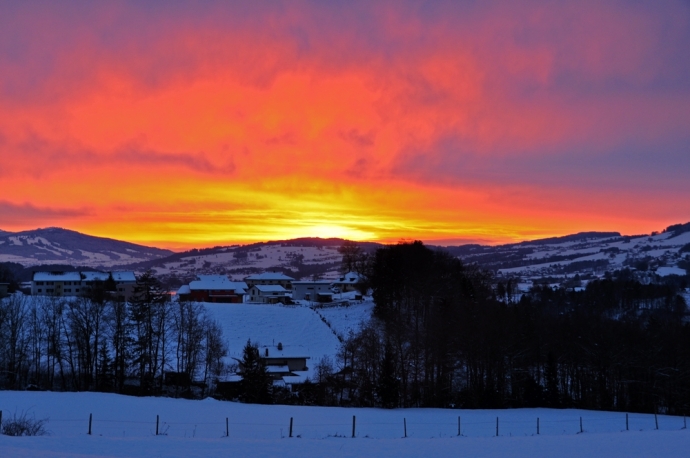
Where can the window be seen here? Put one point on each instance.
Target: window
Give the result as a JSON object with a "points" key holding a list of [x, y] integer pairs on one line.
{"points": [[40, 290], [68, 290]]}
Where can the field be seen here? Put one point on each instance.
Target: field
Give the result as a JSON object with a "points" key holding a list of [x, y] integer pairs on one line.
{"points": [[126, 427]]}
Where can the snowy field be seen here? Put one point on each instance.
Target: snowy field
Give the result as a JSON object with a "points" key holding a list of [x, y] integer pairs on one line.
{"points": [[299, 329], [125, 427], [302, 330]]}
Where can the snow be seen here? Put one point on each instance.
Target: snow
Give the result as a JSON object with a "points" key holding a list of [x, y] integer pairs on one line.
{"points": [[342, 319], [124, 276], [299, 329], [62, 276], [666, 271], [125, 427]]}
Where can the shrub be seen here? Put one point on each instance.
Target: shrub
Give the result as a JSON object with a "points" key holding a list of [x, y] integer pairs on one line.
{"points": [[23, 425]]}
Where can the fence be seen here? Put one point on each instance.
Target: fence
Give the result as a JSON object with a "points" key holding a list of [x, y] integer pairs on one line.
{"points": [[352, 427]]}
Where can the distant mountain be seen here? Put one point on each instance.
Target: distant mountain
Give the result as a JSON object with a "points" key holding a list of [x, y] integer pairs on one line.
{"points": [[55, 245], [586, 253]]}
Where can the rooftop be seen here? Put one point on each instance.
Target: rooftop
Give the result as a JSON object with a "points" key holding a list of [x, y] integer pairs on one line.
{"points": [[57, 276], [269, 276]]}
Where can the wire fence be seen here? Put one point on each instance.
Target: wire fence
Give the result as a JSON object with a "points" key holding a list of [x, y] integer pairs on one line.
{"points": [[354, 427]]}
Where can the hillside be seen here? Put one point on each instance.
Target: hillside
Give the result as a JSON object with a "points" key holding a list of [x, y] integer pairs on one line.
{"points": [[62, 246]]}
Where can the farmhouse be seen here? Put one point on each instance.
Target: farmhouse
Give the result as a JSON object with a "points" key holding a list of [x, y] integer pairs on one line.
{"points": [[315, 291], [268, 294], [213, 288], [347, 282], [270, 278]]}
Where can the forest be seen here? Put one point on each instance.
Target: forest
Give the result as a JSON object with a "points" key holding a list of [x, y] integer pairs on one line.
{"points": [[96, 343], [446, 334]]}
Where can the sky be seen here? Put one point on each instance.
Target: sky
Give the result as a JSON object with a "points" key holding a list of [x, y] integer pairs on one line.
{"points": [[192, 124]]}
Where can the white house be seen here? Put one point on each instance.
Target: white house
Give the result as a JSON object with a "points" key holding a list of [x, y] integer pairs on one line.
{"points": [[125, 282], [316, 291], [267, 294], [347, 282], [57, 283], [60, 283], [269, 278]]}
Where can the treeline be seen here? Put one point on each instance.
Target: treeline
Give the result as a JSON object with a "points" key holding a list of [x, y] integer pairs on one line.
{"points": [[443, 337], [100, 344]]}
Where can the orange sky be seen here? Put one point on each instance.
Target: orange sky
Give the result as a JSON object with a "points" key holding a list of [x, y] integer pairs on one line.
{"points": [[192, 125]]}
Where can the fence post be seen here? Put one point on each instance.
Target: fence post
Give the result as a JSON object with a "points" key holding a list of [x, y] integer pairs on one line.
{"points": [[459, 429], [405, 425], [0, 421], [227, 429], [90, 418], [627, 424], [157, 419], [290, 427], [537, 425], [354, 419], [685, 424], [656, 421], [580, 424], [496, 426]]}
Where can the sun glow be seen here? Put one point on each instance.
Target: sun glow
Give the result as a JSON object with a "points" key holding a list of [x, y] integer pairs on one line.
{"points": [[225, 125]]}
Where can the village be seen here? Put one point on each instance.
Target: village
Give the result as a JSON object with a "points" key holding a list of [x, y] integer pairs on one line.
{"points": [[276, 297]]}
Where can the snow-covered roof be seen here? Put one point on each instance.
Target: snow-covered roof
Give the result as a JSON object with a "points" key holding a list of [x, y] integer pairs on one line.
{"points": [[124, 277], [227, 285], [270, 289], [277, 369], [269, 276], [57, 276], [214, 278], [350, 277], [184, 289], [315, 283], [93, 276]]}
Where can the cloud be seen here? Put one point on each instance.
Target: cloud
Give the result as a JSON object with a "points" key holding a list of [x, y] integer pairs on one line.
{"points": [[29, 216], [477, 98]]}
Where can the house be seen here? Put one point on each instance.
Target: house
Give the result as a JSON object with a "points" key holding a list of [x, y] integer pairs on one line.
{"points": [[61, 283], [268, 294], [315, 291], [269, 278], [56, 283], [213, 288], [347, 282], [125, 282], [4, 287]]}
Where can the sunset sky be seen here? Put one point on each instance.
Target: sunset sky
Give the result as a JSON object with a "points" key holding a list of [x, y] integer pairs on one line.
{"points": [[192, 124]]}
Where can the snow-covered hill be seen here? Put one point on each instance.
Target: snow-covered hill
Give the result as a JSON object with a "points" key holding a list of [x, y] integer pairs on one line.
{"points": [[586, 254], [299, 258], [61, 246], [125, 426]]}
